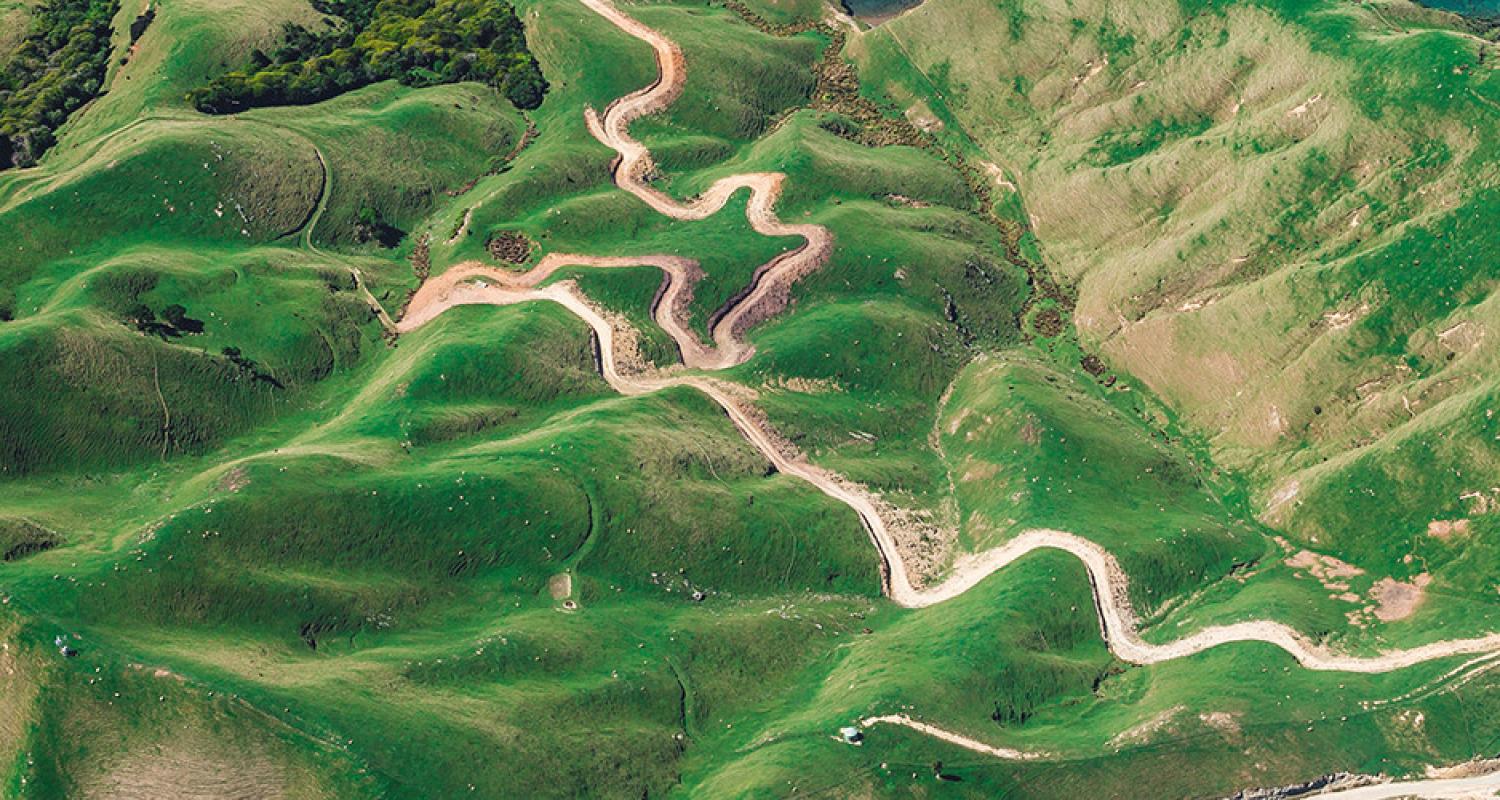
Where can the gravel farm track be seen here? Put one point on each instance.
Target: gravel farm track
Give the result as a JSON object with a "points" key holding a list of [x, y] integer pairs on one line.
{"points": [[473, 283]]}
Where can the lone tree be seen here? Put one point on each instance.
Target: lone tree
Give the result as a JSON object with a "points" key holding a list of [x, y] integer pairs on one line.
{"points": [[525, 86]]}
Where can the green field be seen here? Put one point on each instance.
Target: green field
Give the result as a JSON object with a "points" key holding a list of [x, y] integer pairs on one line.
{"points": [[1211, 284]]}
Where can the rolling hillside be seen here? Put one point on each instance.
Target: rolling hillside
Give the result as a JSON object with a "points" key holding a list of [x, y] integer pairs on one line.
{"points": [[411, 443]]}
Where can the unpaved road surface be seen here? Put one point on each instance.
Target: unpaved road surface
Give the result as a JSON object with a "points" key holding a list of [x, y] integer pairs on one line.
{"points": [[479, 284], [1117, 617], [455, 287], [1479, 787], [769, 290], [950, 737], [769, 287]]}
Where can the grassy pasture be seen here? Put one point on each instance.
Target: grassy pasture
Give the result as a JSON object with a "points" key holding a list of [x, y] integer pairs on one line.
{"points": [[350, 585]]}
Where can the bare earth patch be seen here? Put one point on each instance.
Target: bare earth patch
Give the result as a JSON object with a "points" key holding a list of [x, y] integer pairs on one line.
{"points": [[1221, 721], [903, 200], [802, 385], [998, 175], [1462, 337], [1339, 320], [1142, 733], [235, 480], [1284, 494], [1329, 571], [1444, 528], [922, 117], [958, 420], [1397, 600], [1305, 105], [1031, 432], [629, 356], [1482, 502]]}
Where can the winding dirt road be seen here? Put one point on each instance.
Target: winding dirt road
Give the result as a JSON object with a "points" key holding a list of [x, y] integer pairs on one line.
{"points": [[1477, 787], [1117, 618], [768, 290], [474, 283]]}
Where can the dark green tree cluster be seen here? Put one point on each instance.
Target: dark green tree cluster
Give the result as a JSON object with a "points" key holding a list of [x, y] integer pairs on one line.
{"points": [[58, 67], [417, 42], [371, 226], [249, 368], [141, 23], [174, 321]]}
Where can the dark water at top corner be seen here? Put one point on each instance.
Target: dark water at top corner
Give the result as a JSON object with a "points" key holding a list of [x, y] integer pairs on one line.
{"points": [[1488, 10], [876, 11]]}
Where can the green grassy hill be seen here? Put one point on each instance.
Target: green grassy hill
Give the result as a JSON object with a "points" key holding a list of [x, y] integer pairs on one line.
{"points": [[1284, 241], [16, 16], [1208, 284]]}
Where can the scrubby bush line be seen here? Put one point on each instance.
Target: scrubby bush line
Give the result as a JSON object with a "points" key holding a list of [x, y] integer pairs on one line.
{"points": [[419, 43], [59, 67]]}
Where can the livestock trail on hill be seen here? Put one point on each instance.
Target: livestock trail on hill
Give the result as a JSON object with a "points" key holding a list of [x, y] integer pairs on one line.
{"points": [[472, 283]]}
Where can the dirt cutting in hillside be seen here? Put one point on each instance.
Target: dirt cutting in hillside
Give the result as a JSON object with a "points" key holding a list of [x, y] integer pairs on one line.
{"points": [[949, 736], [1475, 787]]}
